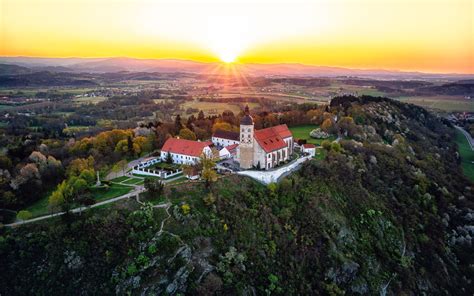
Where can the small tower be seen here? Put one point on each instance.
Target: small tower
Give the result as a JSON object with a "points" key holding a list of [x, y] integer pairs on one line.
{"points": [[246, 140]]}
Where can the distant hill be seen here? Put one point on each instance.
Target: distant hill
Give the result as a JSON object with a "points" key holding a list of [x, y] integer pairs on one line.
{"points": [[13, 70], [102, 65], [44, 79]]}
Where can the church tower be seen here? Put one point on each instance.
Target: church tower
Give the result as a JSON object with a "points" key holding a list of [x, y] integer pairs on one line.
{"points": [[246, 140]]}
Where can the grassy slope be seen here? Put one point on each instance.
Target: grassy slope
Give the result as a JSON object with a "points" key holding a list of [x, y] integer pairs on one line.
{"points": [[40, 207], [467, 155], [302, 132]]}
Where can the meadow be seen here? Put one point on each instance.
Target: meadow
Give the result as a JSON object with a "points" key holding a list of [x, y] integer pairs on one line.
{"points": [[302, 132]]}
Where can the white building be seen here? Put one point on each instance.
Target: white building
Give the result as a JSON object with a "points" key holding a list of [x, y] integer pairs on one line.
{"points": [[185, 151], [309, 148], [222, 138], [228, 151]]}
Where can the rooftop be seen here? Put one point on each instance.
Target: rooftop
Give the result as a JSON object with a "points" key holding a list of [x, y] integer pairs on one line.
{"points": [[226, 135], [271, 139], [185, 147]]}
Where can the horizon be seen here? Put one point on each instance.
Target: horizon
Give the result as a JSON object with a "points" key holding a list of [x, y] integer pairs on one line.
{"points": [[401, 71], [393, 36]]}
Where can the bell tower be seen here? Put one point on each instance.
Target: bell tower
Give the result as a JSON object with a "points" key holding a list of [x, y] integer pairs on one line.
{"points": [[246, 140]]}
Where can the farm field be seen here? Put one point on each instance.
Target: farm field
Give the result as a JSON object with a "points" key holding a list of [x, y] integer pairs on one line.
{"points": [[444, 103], [89, 100], [214, 108]]}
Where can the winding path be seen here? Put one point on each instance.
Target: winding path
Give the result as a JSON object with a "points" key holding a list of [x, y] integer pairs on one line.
{"points": [[133, 193]]}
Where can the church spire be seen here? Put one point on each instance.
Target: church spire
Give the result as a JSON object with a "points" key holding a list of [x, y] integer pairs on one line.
{"points": [[247, 119]]}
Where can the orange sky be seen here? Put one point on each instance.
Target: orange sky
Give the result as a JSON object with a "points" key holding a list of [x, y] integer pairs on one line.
{"points": [[424, 35]]}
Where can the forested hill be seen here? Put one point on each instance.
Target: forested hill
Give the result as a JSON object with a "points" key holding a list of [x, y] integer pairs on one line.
{"points": [[387, 212]]}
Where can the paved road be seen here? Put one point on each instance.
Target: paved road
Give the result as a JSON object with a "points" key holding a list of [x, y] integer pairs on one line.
{"points": [[133, 193], [470, 140]]}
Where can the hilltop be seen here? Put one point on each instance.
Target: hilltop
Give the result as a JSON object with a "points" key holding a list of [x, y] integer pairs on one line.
{"points": [[387, 212]]}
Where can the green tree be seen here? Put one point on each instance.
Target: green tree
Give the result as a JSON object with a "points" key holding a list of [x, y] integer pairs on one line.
{"points": [[24, 215], [326, 144], [169, 159], [120, 166], [154, 187]]}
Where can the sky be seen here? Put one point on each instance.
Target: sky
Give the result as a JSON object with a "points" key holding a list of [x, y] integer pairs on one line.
{"points": [[421, 35]]}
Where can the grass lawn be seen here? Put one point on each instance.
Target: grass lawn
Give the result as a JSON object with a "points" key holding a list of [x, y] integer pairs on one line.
{"points": [[40, 207], [302, 132], [179, 180], [132, 181], [467, 155], [114, 190], [119, 179], [146, 176]]}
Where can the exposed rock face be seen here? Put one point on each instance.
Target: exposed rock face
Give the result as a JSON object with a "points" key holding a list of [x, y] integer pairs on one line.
{"points": [[170, 275], [318, 134]]}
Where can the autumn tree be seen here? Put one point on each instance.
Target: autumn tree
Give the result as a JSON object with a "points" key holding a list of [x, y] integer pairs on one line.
{"points": [[225, 126], [187, 134], [208, 173], [80, 164], [327, 125]]}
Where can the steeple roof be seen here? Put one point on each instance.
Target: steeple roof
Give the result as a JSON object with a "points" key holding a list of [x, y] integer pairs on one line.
{"points": [[247, 119]]}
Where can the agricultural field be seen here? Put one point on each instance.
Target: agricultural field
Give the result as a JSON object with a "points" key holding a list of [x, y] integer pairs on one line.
{"points": [[443, 103], [89, 100], [211, 108]]}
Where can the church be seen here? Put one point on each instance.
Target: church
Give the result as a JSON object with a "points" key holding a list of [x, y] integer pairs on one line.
{"points": [[265, 148]]}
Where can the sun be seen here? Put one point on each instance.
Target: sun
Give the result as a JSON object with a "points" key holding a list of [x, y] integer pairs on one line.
{"points": [[227, 57]]}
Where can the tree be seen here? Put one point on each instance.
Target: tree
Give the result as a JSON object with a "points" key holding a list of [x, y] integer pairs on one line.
{"points": [[120, 166], [56, 199], [122, 147], [346, 125], [326, 144], [80, 164], [187, 134], [37, 157], [327, 125], [177, 123], [208, 173], [335, 146], [187, 169], [225, 126], [24, 215], [129, 144], [169, 159], [200, 115], [140, 145], [154, 187]]}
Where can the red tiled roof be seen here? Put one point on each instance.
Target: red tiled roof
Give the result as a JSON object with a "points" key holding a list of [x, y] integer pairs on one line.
{"points": [[185, 147], [283, 131], [308, 146], [231, 148], [271, 139], [226, 135]]}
